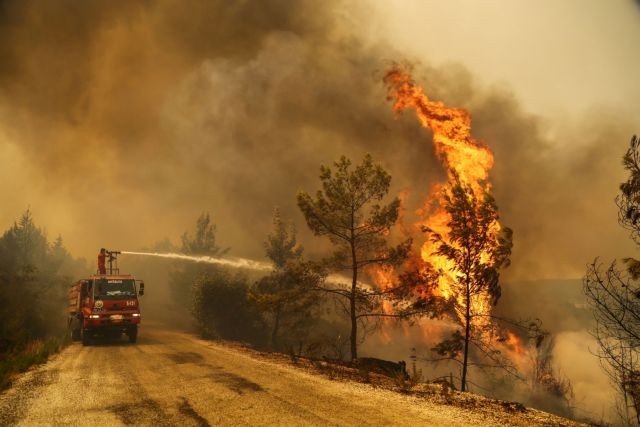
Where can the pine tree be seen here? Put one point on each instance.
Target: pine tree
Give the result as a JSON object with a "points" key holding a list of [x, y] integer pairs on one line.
{"points": [[348, 211]]}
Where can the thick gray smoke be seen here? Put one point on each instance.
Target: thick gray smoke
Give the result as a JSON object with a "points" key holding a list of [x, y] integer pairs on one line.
{"points": [[123, 120]]}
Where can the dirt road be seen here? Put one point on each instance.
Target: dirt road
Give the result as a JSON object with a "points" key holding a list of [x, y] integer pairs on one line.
{"points": [[171, 378]]}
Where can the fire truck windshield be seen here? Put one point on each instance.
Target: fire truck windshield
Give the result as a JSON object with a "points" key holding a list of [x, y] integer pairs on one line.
{"points": [[114, 288]]}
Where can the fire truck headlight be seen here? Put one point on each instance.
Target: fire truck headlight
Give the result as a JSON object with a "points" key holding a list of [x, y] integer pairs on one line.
{"points": [[136, 314], [94, 316]]}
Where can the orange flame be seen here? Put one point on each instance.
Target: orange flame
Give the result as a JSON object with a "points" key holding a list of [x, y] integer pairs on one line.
{"points": [[460, 153], [512, 346], [514, 343], [451, 128]]}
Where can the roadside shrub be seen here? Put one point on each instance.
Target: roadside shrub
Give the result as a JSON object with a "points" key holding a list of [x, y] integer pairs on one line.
{"points": [[34, 353], [222, 309]]}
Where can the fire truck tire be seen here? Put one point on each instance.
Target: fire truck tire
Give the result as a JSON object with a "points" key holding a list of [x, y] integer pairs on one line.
{"points": [[74, 334], [84, 336], [133, 334]]}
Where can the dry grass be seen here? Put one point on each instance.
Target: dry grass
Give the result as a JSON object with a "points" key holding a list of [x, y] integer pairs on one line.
{"points": [[34, 353]]}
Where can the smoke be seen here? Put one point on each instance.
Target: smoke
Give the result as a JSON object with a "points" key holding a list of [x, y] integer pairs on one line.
{"points": [[152, 113], [574, 357], [123, 121]]}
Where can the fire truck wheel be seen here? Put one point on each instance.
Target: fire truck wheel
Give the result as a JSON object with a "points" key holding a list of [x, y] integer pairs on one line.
{"points": [[75, 334], [84, 336], [133, 334]]}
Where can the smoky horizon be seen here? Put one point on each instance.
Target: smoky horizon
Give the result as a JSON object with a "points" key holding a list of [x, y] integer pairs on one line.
{"points": [[120, 125]]}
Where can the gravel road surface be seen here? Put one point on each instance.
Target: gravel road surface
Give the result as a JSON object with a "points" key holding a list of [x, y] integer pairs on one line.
{"points": [[172, 378]]}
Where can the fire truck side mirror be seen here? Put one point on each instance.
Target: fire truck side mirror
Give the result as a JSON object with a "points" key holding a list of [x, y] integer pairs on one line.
{"points": [[141, 291]]}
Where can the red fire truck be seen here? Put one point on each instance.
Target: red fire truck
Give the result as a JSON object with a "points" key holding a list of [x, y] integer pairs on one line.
{"points": [[105, 305]]}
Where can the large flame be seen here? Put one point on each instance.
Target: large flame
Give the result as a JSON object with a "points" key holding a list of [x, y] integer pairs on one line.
{"points": [[461, 154]]}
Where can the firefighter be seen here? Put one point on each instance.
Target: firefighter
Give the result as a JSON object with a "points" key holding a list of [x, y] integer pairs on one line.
{"points": [[102, 269], [89, 290]]}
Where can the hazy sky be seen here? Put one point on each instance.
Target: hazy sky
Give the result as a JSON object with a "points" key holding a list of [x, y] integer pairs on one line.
{"points": [[559, 56], [121, 121]]}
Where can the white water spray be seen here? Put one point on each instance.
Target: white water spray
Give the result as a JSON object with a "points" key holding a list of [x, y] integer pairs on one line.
{"points": [[236, 263], [231, 262]]}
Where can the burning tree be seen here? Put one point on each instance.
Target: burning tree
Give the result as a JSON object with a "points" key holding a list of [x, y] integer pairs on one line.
{"points": [[474, 249], [614, 296], [347, 210], [467, 245]]}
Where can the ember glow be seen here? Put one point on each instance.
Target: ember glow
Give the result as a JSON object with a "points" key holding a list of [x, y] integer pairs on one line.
{"points": [[514, 342]]}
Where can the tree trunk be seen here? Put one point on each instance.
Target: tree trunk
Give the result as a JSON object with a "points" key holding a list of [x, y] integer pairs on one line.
{"points": [[354, 320], [276, 326], [354, 289], [352, 301], [467, 330]]}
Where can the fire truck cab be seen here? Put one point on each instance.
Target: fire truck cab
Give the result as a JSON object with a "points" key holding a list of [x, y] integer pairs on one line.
{"points": [[104, 305]]}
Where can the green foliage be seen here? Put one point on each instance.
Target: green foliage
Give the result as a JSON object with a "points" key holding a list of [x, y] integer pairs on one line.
{"points": [[349, 212], [281, 245], [289, 299], [203, 242], [222, 308], [33, 284], [286, 296], [184, 275]]}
